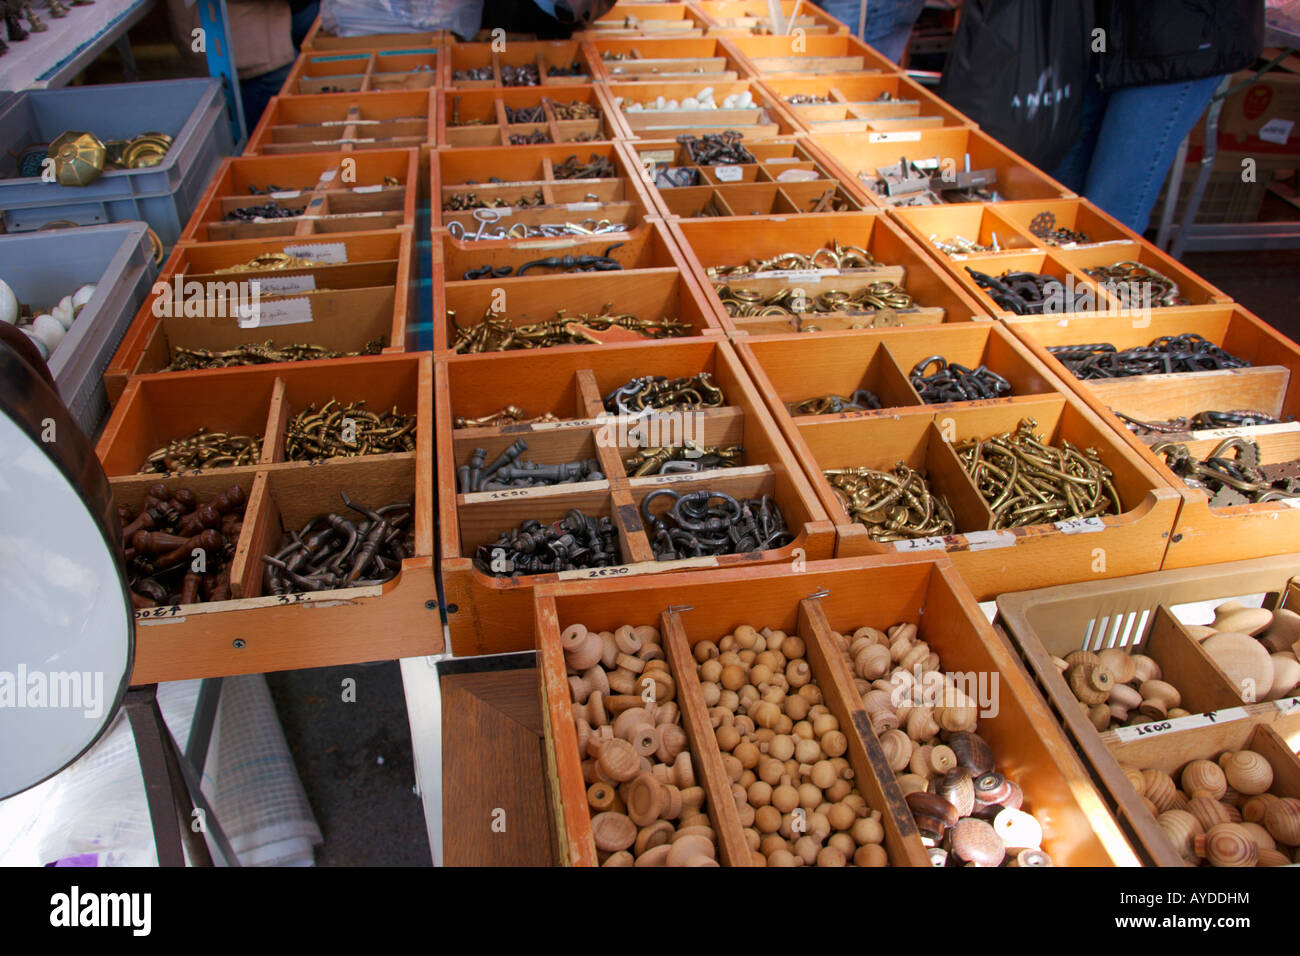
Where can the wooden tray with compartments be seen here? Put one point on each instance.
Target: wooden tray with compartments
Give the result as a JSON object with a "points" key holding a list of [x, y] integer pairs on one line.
{"points": [[336, 192], [1270, 385], [1013, 177], [662, 59], [521, 184], [920, 436], [254, 631], [882, 104], [356, 260], [709, 243], [809, 55], [785, 180], [331, 123], [489, 613], [412, 67], [764, 120], [493, 117], [649, 20], [553, 60], [744, 18], [812, 603], [1144, 614]]}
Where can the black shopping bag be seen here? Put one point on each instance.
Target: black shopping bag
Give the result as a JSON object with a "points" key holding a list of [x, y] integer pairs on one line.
{"points": [[1018, 68]]}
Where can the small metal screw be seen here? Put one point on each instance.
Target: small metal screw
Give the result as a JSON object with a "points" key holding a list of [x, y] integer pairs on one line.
{"points": [[430, 605], [238, 643]]}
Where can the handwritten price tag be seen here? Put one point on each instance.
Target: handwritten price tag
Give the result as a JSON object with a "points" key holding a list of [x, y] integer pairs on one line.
{"points": [[921, 544], [987, 540], [729, 174], [1080, 525]]}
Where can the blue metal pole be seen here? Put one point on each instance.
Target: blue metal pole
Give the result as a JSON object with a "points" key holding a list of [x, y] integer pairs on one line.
{"points": [[221, 63]]}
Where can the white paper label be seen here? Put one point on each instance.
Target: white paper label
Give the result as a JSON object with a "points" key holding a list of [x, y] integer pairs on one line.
{"points": [[582, 206], [287, 194], [368, 189], [1190, 722], [1288, 705], [798, 176], [1291, 502], [778, 160], [328, 175], [1080, 525], [921, 544], [987, 540], [1276, 131], [331, 253], [284, 285], [278, 312], [729, 174], [895, 136]]}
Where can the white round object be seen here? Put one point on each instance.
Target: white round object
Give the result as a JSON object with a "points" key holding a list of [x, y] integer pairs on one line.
{"points": [[49, 330], [36, 340], [705, 94], [672, 104], [635, 108], [63, 312], [690, 103], [1018, 829], [1245, 661], [82, 296], [8, 304], [659, 102], [729, 102]]}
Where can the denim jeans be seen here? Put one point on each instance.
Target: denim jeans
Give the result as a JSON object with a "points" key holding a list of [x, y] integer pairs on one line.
{"points": [[1129, 140], [889, 22]]}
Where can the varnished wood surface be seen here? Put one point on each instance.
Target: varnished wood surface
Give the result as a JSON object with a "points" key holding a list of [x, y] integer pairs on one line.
{"points": [[492, 760]]}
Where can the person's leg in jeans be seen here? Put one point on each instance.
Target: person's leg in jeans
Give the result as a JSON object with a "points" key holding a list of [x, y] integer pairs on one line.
{"points": [[889, 22], [1139, 136], [256, 93], [1072, 171]]}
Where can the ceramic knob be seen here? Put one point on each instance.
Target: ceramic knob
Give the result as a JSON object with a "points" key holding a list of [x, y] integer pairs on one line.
{"points": [[1018, 829]]}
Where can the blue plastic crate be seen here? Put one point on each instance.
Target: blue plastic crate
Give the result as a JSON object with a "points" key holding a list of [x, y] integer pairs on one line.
{"points": [[42, 267], [193, 112]]}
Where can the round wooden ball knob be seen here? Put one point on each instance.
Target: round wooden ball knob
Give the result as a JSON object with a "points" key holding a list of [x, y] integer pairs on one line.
{"points": [[1282, 820], [974, 841], [1159, 789], [612, 831], [1204, 775], [1246, 772], [973, 753], [871, 854], [957, 788], [1182, 829], [1227, 845]]}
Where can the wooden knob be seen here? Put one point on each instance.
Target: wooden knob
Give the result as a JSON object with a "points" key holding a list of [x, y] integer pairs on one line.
{"points": [[974, 841], [1119, 663], [601, 797], [592, 679], [619, 760], [658, 833], [621, 858], [1204, 775], [670, 741], [613, 831], [582, 648], [1246, 772], [1282, 820], [1182, 829], [1227, 845], [973, 753], [958, 789], [646, 800], [1145, 668]]}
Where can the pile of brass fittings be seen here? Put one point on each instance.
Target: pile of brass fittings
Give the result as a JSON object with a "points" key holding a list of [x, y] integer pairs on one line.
{"points": [[951, 382], [686, 458], [347, 431], [927, 182], [894, 505], [510, 415], [597, 167], [806, 99], [717, 149], [573, 69], [860, 401], [270, 262], [1136, 285], [495, 333], [332, 551], [491, 218], [1026, 481], [1167, 354], [267, 210], [1239, 480], [576, 541], [566, 263], [1028, 293], [476, 74], [873, 297], [80, 158], [833, 256], [961, 246], [260, 353], [530, 139], [706, 522], [508, 470], [203, 449], [665, 394], [1201, 421], [1044, 227], [178, 550], [577, 110], [461, 202]]}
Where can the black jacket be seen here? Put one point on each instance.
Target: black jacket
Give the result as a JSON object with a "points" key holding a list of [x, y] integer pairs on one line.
{"points": [[1169, 41]]}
